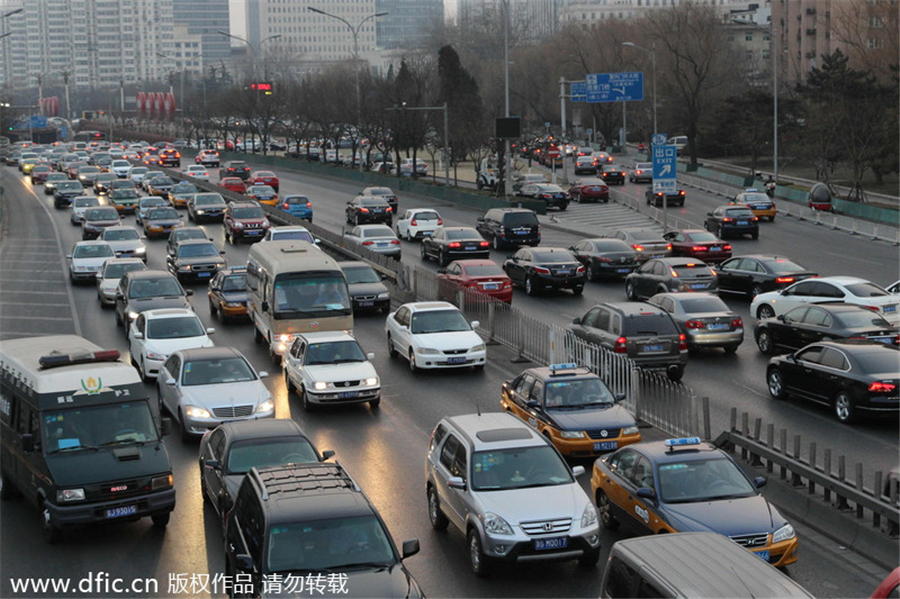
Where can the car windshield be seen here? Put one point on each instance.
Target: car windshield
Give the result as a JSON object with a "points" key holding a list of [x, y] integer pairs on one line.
{"points": [[866, 290], [301, 235], [197, 250], [157, 181], [120, 235], [377, 231], [208, 199], [175, 328], [162, 287], [99, 250], [138, 170], [361, 274], [115, 271], [265, 452], [85, 202], [702, 305], [188, 233], [577, 394], [702, 480], [102, 214], [69, 186], [93, 427], [782, 266], [551, 257], [234, 283], [248, 212], [303, 296], [484, 270], [439, 321], [265, 174], [215, 372], [518, 468], [336, 352], [328, 545], [124, 194], [184, 188], [162, 214], [260, 189], [152, 202], [380, 191]]}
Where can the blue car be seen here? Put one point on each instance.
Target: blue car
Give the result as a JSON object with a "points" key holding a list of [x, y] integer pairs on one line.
{"points": [[297, 205]]}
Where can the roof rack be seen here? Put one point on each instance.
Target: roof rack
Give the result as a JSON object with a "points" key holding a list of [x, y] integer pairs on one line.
{"points": [[292, 478]]}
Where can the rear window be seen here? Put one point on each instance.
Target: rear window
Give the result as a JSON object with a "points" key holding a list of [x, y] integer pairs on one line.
{"points": [[863, 318], [486, 270], [884, 361], [866, 290], [693, 270], [463, 234], [612, 245], [781, 266], [647, 236], [703, 305], [520, 219], [552, 257], [739, 213], [378, 232], [426, 216], [649, 324], [373, 202]]}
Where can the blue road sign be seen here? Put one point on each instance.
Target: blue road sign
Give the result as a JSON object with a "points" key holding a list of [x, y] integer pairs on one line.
{"points": [[615, 87], [64, 133], [578, 91], [658, 139], [38, 121], [664, 168]]}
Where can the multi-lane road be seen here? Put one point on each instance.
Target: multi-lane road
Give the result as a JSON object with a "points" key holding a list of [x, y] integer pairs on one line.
{"points": [[385, 449]]}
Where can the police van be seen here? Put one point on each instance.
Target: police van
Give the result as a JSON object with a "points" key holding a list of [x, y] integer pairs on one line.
{"points": [[79, 439]]}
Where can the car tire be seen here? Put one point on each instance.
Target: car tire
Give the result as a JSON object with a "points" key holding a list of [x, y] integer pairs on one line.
{"points": [[577, 290], [423, 253], [630, 293], [52, 533], [495, 242], [443, 259], [185, 434], [563, 207], [589, 559], [604, 511], [373, 405], [775, 383], [765, 311], [530, 288], [593, 272], [730, 349], [478, 561], [392, 351], [160, 520], [754, 235], [308, 406], [764, 342], [7, 490], [412, 361], [438, 520], [139, 365], [755, 290], [257, 335], [844, 410], [675, 375], [771, 219]]}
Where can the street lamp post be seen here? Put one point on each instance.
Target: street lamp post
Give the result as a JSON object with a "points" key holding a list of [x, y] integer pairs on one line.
{"points": [[181, 85], [652, 53], [254, 49], [355, 33], [6, 34]]}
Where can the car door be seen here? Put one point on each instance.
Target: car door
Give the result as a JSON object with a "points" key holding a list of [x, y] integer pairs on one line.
{"points": [[800, 371], [584, 329], [519, 394], [645, 278], [615, 484], [213, 478], [453, 501], [169, 394], [294, 365], [399, 327], [137, 346], [449, 283], [403, 223], [825, 292], [582, 252], [429, 244], [796, 294], [816, 325], [516, 266], [787, 331], [828, 375]]}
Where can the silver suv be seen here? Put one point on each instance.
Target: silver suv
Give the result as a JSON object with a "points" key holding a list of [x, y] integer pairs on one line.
{"points": [[509, 491]]}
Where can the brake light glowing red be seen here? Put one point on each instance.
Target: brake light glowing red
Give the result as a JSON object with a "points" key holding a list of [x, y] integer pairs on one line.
{"points": [[639, 248], [669, 247], [484, 244], [579, 269], [784, 280], [727, 247], [367, 243], [737, 323], [440, 222], [682, 342], [621, 346], [882, 387], [700, 248], [454, 244], [872, 308]]}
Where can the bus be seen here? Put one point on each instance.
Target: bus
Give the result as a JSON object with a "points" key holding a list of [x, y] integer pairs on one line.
{"points": [[89, 136], [294, 288], [79, 438]]}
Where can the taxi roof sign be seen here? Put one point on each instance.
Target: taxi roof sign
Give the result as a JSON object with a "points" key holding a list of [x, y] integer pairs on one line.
{"points": [[682, 441], [563, 366]]}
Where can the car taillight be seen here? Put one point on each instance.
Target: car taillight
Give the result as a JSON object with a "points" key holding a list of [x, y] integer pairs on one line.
{"points": [[395, 242], [389, 209], [737, 323], [681, 193], [414, 222], [673, 273], [623, 173], [440, 222], [484, 244], [285, 205], [695, 324], [621, 346], [699, 248], [542, 270], [639, 248], [727, 247], [784, 280], [367, 242], [882, 387], [682, 342], [363, 209], [727, 220], [603, 259], [872, 308], [580, 268], [454, 244], [755, 218]]}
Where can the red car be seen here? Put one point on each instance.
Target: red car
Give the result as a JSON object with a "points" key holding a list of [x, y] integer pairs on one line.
{"points": [[235, 184], [697, 243], [589, 191], [483, 276], [264, 178], [152, 160], [39, 174]]}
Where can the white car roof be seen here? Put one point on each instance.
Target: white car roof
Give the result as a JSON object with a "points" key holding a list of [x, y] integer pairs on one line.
{"points": [[326, 336], [430, 306], [169, 313]]}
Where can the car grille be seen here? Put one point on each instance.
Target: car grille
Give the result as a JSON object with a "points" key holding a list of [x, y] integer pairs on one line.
{"points": [[252, 225], [455, 352], [611, 433], [203, 267], [546, 527], [342, 384], [362, 298], [233, 411], [750, 541]]}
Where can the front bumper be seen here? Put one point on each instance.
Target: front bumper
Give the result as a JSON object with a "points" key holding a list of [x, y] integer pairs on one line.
{"points": [[84, 275], [442, 360], [158, 502], [520, 547], [344, 396]]}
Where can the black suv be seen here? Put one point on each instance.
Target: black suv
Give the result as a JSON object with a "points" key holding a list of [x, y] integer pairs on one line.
{"points": [[312, 518], [235, 168], [510, 227], [644, 332]]}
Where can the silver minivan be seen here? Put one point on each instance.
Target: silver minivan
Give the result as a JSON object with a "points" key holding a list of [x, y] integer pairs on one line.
{"points": [[511, 493]]}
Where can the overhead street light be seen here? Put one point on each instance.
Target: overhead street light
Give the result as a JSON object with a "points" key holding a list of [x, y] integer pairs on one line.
{"points": [[254, 49]]}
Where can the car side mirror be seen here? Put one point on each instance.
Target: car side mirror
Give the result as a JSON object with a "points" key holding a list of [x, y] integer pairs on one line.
{"points": [[646, 493], [759, 482], [577, 471], [480, 220], [210, 330], [370, 356], [456, 482], [620, 397], [783, 318], [442, 271], [265, 306], [533, 404], [327, 454], [709, 214], [262, 374], [69, 256], [189, 292], [170, 382], [243, 562], [27, 442], [138, 335], [410, 548], [383, 276], [476, 324], [221, 252], [211, 464], [576, 320], [165, 426]]}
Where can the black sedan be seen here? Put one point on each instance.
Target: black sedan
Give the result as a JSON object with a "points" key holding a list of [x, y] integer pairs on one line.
{"points": [[612, 173], [552, 195], [536, 269], [195, 260], [454, 243], [362, 210], [604, 257], [662, 275], [810, 324], [656, 198], [229, 451], [732, 220], [757, 273], [851, 377], [381, 192]]}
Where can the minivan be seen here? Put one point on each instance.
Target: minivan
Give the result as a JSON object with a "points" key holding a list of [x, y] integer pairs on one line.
{"points": [[505, 227], [679, 141]]}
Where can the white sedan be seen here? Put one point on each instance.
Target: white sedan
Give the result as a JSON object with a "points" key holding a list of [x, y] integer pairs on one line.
{"points": [[86, 259], [851, 290], [155, 334], [330, 368], [111, 273], [418, 222], [197, 171], [434, 335], [126, 241]]}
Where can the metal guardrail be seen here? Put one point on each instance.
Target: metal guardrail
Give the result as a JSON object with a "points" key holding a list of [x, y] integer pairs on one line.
{"points": [[877, 503]]}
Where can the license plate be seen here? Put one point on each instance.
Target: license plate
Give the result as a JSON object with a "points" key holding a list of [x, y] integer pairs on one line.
{"points": [[698, 286], [658, 256], [763, 555], [548, 544], [892, 308], [717, 327], [606, 445], [715, 249], [470, 247], [252, 232], [456, 360], [521, 232], [366, 304], [742, 223], [882, 339], [118, 512], [381, 245], [348, 394], [623, 270], [657, 347], [203, 275], [564, 272], [490, 285], [426, 233]]}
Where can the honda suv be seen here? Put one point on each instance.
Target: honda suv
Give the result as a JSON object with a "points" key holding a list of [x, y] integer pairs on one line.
{"points": [[312, 518], [643, 332], [510, 227], [244, 220]]}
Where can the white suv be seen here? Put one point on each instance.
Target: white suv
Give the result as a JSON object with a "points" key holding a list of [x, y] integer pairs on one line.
{"points": [[434, 335], [418, 222], [506, 488]]}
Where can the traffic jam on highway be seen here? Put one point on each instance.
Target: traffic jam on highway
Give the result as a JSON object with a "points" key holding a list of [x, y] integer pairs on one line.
{"points": [[540, 472]]}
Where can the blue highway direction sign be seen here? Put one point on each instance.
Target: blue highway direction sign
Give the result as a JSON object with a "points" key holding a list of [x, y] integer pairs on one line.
{"points": [[664, 168], [578, 91], [615, 87]]}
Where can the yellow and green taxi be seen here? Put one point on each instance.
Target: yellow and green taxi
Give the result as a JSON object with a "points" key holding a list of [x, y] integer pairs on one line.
{"points": [[572, 407], [685, 485], [760, 204]]}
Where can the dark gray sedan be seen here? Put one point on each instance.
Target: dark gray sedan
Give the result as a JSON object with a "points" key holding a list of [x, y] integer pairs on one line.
{"points": [[705, 320]]}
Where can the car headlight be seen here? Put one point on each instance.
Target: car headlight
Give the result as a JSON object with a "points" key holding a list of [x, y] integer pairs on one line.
{"points": [[64, 495], [152, 355], [427, 350], [589, 516], [161, 482], [185, 268], [320, 385], [265, 406], [479, 347], [197, 412], [140, 250], [132, 315], [495, 525], [571, 434], [783, 534], [371, 382], [630, 430], [384, 295], [238, 225]]}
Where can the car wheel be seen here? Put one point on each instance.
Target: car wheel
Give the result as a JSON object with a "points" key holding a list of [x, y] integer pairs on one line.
{"points": [[764, 342], [604, 511], [730, 349], [530, 288], [412, 361], [142, 371], [630, 293], [422, 252], [496, 243], [593, 272], [308, 406], [589, 558], [771, 219], [356, 219], [7, 490], [437, 518], [392, 351], [257, 335], [443, 259], [373, 405], [190, 216], [775, 383], [52, 533], [756, 290], [563, 207], [675, 375], [754, 235], [578, 290], [160, 520], [185, 434], [765, 311], [843, 407], [477, 559]]}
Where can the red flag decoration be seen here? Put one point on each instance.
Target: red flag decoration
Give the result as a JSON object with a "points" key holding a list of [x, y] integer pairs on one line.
{"points": [[157, 104], [171, 109], [140, 103]]}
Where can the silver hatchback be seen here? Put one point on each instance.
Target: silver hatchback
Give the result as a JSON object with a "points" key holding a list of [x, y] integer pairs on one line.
{"points": [[509, 491]]}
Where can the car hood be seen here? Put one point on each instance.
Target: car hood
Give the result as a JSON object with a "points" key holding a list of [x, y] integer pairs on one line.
{"points": [[167, 346], [226, 394], [367, 288], [234, 296], [393, 581], [126, 245], [612, 417], [161, 222], [93, 262], [88, 467], [349, 371], [152, 303], [535, 503], [451, 340], [729, 517]]}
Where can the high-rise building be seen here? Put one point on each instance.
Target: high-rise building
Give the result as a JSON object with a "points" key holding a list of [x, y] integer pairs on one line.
{"points": [[529, 19], [203, 18], [590, 12], [407, 23]]}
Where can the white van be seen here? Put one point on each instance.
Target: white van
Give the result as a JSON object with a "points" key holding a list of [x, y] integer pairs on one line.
{"points": [[679, 141]]}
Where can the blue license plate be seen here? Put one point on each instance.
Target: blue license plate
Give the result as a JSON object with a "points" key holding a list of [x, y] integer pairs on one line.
{"points": [[381, 245], [657, 347], [623, 270], [564, 272], [256, 232], [717, 327], [470, 247], [427, 233], [606, 445], [521, 232], [882, 339], [549, 544], [348, 394], [742, 223], [118, 512], [490, 286], [715, 249], [698, 286], [456, 360], [763, 555], [366, 304], [890, 308], [203, 275]]}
